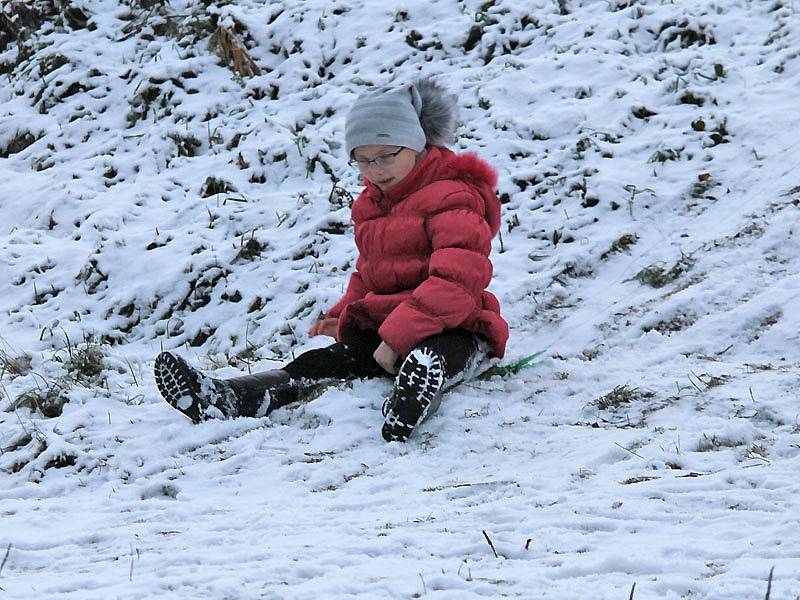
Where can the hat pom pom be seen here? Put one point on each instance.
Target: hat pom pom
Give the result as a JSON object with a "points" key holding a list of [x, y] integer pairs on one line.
{"points": [[438, 112]]}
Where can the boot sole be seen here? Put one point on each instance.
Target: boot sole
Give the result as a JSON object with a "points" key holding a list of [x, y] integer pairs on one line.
{"points": [[177, 385], [417, 388]]}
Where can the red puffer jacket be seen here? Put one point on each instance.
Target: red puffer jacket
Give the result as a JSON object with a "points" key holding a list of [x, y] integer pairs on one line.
{"points": [[423, 263]]}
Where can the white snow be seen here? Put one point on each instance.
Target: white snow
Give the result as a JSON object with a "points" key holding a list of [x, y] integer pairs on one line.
{"points": [[657, 444]]}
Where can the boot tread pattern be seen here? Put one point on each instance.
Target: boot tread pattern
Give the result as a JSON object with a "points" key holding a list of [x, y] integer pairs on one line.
{"points": [[178, 385], [415, 392]]}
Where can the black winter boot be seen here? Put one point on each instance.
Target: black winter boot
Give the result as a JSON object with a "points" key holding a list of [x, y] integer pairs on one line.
{"points": [[200, 397], [416, 394]]}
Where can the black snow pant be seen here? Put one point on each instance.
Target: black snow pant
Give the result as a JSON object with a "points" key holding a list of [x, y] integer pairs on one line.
{"points": [[350, 358]]}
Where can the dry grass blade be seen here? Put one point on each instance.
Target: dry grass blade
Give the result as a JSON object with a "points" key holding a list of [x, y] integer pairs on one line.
{"points": [[489, 541], [130, 573], [621, 395], [769, 583], [5, 558], [230, 50], [14, 365]]}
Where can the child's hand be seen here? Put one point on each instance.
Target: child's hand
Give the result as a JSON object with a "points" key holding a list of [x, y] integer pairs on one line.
{"points": [[386, 358], [324, 327]]}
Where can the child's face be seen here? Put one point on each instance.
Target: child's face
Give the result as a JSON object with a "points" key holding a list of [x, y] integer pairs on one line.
{"points": [[394, 163]]}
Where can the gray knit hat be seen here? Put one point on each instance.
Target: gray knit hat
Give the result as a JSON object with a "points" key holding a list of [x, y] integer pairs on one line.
{"points": [[413, 116]]}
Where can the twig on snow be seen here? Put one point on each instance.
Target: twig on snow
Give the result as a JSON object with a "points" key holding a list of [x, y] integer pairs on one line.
{"points": [[721, 352], [769, 583], [489, 541], [440, 488], [631, 451], [8, 551], [130, 574]]}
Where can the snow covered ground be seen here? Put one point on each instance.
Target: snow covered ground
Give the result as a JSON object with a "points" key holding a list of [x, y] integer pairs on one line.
{"points": [[154, 197]]}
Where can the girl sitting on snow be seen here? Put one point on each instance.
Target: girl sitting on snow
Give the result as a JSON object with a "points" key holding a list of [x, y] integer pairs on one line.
{"points": [[416, 305]]}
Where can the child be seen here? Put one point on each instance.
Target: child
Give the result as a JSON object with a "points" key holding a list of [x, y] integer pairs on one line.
{"points": [[416, 305]]}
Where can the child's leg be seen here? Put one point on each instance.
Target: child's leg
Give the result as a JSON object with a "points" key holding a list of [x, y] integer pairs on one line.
{"points": [[459, 350], [200, 397], [348, 359], [306, 374], [438, 363]]}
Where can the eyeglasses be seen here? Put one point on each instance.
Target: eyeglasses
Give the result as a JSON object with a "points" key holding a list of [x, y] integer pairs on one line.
{"points": [[384, 160]]}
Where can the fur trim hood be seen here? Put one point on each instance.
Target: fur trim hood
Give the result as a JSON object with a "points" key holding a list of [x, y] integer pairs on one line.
{"points": [[477, 172], [443, 164]]}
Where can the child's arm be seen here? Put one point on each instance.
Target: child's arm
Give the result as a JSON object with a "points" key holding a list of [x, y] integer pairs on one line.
{"points": [[355, 291], [329, 324]]}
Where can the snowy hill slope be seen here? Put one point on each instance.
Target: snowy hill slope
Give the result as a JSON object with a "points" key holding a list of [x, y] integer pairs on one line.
{"points": [[173, 175]]}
